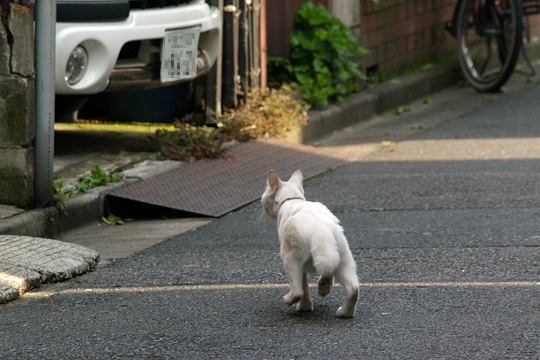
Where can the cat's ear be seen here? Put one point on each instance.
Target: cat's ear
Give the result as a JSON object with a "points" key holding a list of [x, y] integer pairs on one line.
{"points": [[273, 180], [297, 179]]}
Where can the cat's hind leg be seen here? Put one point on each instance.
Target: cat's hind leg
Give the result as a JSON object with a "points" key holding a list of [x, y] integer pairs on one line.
{"points": [[325, 284], [346, 276], [295, 272], [305, 304]]}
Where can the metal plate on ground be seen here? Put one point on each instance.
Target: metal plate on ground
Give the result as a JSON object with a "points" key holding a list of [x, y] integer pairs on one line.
{"points": [[216, 187]]}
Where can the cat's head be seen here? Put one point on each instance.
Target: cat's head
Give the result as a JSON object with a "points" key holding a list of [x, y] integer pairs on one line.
{"points": [[277, 191]]}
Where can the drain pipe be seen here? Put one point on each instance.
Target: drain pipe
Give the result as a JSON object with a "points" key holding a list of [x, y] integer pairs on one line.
{"points": [[45, 17]]}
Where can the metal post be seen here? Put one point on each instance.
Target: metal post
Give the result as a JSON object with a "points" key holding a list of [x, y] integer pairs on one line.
{"points": [[213, 79], [44, 55], [230, 53], [262, 24], [243, 49]]}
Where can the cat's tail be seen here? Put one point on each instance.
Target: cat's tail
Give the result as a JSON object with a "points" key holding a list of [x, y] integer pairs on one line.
{"points": [[325, 252]]}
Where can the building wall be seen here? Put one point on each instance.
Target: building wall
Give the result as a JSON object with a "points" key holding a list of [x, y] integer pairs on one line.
{"points": [[397, 32], [279, 23], [402, 32], [16, 104]]}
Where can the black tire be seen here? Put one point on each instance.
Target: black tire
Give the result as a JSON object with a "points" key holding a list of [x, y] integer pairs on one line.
{"points": [[497, 29]]}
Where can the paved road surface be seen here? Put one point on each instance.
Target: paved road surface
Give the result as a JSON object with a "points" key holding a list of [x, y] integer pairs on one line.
{"points": [[444, 222]]}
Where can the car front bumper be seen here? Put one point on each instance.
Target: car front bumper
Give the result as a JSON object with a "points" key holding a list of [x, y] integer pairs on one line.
{"points": [[104, 41]]}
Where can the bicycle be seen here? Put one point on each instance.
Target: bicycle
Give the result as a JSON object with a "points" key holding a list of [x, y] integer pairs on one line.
{"points": [[490, 37]]}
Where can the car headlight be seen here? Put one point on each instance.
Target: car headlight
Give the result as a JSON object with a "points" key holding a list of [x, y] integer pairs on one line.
{"points": [[76, 65]]}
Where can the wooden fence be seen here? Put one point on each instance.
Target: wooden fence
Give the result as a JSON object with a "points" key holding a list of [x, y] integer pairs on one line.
{"points": [[241, 64]]}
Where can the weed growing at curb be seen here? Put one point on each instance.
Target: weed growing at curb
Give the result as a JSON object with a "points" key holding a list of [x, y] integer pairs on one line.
{"points": [[388, 144], [401, 109], [112, 220], [271, 114], [97, 177]]}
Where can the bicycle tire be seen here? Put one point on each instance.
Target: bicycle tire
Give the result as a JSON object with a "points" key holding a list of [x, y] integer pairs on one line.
{"points": [[508, 43]]}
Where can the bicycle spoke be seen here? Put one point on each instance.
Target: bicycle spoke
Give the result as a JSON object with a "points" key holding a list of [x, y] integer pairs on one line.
{"points": [[488, 57]]}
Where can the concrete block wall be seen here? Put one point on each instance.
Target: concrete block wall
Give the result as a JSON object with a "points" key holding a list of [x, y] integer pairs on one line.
{"points": [[17, 124]]}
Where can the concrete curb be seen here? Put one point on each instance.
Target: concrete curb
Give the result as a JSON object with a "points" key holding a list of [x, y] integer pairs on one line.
{"points": [[383, 98], [27, 262], [89, 207], [80, 210]]}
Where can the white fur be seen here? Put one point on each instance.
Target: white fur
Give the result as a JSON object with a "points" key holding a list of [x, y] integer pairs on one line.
{"points": [[311, 240]]}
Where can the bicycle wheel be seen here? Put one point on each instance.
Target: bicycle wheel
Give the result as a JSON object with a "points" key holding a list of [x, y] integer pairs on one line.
{"points": [[489, 41]]}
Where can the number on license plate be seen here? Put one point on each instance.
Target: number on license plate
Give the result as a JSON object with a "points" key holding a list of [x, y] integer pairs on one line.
{"points": [[179, 54]]}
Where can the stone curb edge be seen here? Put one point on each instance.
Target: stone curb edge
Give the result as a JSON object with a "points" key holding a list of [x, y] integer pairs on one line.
{"points": [[79, 210], [384, 97], [28, 262]]}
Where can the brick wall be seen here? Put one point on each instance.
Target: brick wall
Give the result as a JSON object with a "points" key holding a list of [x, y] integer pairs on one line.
{"points": [[279, 24], [402, 32], [397, 32]]}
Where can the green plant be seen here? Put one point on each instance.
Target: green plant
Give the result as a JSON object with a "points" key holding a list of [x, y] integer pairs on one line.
{"points": [[324, 58], [278, 71], [401, 109], [97, 177], [387, 143], [60, 194], [112, 220]]}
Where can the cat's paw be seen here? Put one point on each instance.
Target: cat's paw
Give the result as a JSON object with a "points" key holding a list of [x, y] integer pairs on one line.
{"points": [[291, 298], [304, 306], [342, 312], [324, 285]]}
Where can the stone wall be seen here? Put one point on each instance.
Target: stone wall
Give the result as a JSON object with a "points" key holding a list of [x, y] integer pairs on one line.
{"points": [[17, 125]]}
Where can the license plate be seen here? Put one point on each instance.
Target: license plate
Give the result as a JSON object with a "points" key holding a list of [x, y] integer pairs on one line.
{"points": [[179, 54]]}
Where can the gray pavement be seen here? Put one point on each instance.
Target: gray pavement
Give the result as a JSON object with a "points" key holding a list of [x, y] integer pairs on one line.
{"points": [[444, 225]]}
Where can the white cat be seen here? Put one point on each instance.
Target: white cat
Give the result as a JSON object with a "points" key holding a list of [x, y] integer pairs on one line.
{"points": [[311, 240]]}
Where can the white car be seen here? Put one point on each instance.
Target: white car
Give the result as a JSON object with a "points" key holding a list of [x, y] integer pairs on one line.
{"points": [[110, 45]]}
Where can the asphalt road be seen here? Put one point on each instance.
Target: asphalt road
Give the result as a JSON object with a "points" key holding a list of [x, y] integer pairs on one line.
{"points": [[444, 223]]}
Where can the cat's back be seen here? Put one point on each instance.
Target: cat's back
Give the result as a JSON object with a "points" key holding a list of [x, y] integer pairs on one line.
{"points": [[309, 213]]}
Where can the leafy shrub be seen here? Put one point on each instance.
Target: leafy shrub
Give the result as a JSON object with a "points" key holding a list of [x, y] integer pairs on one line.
{"points": [[278, 69], [324, 58]]}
